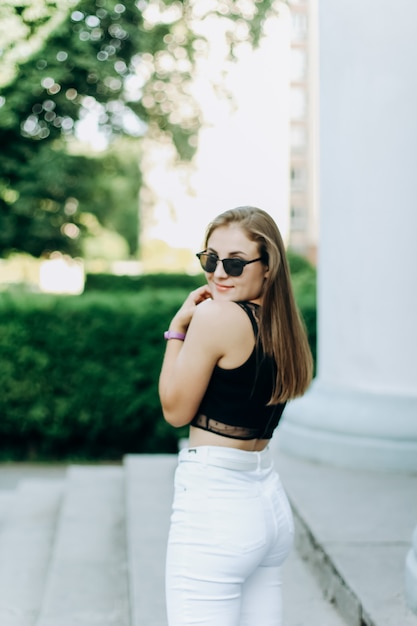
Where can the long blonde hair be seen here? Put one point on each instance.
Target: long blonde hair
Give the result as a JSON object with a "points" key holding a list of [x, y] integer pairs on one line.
{"points": [[281, 330]]}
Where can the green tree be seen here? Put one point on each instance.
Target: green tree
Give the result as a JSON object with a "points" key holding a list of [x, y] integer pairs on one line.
{"points": [[128, 63], [57, 188]]}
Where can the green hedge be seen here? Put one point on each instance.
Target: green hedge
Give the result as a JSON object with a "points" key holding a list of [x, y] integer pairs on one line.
{"points": [[79, 375], [111, 282], [304, 279]]}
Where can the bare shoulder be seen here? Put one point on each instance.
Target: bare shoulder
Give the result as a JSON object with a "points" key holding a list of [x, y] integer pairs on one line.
{"points": [[214, 315]]}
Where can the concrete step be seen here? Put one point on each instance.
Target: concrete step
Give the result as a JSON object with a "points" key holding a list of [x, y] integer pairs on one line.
{"points": [[303, 601], [87, 581], [28, 526], [6, 500], [149, 483], [104, 539], [354, 529]]}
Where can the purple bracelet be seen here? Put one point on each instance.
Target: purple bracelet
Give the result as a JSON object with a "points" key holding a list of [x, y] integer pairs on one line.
{"points": [[172, 334]]}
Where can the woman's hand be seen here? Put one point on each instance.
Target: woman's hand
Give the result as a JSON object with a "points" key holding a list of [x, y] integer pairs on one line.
{"points": [[184, 315]]}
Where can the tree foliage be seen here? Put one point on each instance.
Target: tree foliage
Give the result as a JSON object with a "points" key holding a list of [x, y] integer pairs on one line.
{"points": [[127, 65]]}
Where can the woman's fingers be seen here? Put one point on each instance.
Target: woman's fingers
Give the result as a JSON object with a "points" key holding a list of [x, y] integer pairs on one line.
{"points": [[202, 293]]}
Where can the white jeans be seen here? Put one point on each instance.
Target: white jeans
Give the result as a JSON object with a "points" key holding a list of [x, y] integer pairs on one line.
{"points": [[231, 530]]}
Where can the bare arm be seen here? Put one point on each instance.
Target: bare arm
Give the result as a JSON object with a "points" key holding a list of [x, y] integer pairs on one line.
{"points": [[188, 365]]}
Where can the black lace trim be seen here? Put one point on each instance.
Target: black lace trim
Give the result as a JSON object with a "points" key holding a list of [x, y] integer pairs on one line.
{"points": [[234, 432]]}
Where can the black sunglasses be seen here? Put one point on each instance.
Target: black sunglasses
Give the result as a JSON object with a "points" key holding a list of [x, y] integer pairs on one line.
{"points": [[232, 267]]}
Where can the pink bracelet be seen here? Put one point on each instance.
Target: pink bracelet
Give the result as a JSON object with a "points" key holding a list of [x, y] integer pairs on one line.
{"points": [[171, 334]]}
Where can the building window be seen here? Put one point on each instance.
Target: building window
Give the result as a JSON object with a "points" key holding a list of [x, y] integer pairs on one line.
{"points": [[299, 24], [298, 65], [298, 138], [298, 103], [298, 218], [298, 177]]}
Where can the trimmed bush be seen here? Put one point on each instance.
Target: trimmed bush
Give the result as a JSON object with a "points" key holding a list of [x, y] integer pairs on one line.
{"points": [[110, 282], [304, 280], [79, 375]]}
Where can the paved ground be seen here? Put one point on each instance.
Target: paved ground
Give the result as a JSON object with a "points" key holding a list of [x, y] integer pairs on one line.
{"points": [[353, 531], [149, 503]]}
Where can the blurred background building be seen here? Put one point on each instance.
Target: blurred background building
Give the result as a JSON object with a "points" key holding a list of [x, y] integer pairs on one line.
{"points": [[303, 128]]}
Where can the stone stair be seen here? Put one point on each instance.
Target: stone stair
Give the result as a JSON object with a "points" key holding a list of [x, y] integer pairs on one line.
{"points": [[89, 550], [28, 522], [147, 531], [87, 581], [86, 550]]}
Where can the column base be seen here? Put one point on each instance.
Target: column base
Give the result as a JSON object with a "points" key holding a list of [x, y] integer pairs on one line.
{"points": [[351, 428]]}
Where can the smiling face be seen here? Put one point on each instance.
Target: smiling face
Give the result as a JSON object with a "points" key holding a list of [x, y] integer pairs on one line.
{"points": [[231, 241]]}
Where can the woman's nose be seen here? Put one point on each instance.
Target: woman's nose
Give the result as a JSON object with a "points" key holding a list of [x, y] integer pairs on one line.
{"points": [[219, 271]]}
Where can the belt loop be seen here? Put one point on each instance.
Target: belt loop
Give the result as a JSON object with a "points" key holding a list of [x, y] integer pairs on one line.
{"points": [[201, 454]]}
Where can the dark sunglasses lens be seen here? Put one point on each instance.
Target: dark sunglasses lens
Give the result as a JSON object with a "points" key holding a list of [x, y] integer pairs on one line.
{"points": [[208, 262], [233, 267]]}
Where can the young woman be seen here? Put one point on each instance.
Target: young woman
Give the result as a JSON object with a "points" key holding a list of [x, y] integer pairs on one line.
{"points": [[236, 352]]}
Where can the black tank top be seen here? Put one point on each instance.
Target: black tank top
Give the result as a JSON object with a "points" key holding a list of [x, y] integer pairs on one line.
{"points": [[235, 402]]}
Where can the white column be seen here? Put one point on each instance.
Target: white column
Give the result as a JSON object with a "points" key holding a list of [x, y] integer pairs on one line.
{"points": [[361, 410]]}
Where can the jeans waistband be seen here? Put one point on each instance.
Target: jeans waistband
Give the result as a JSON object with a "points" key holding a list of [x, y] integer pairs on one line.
{"points": [[228, 458]]}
